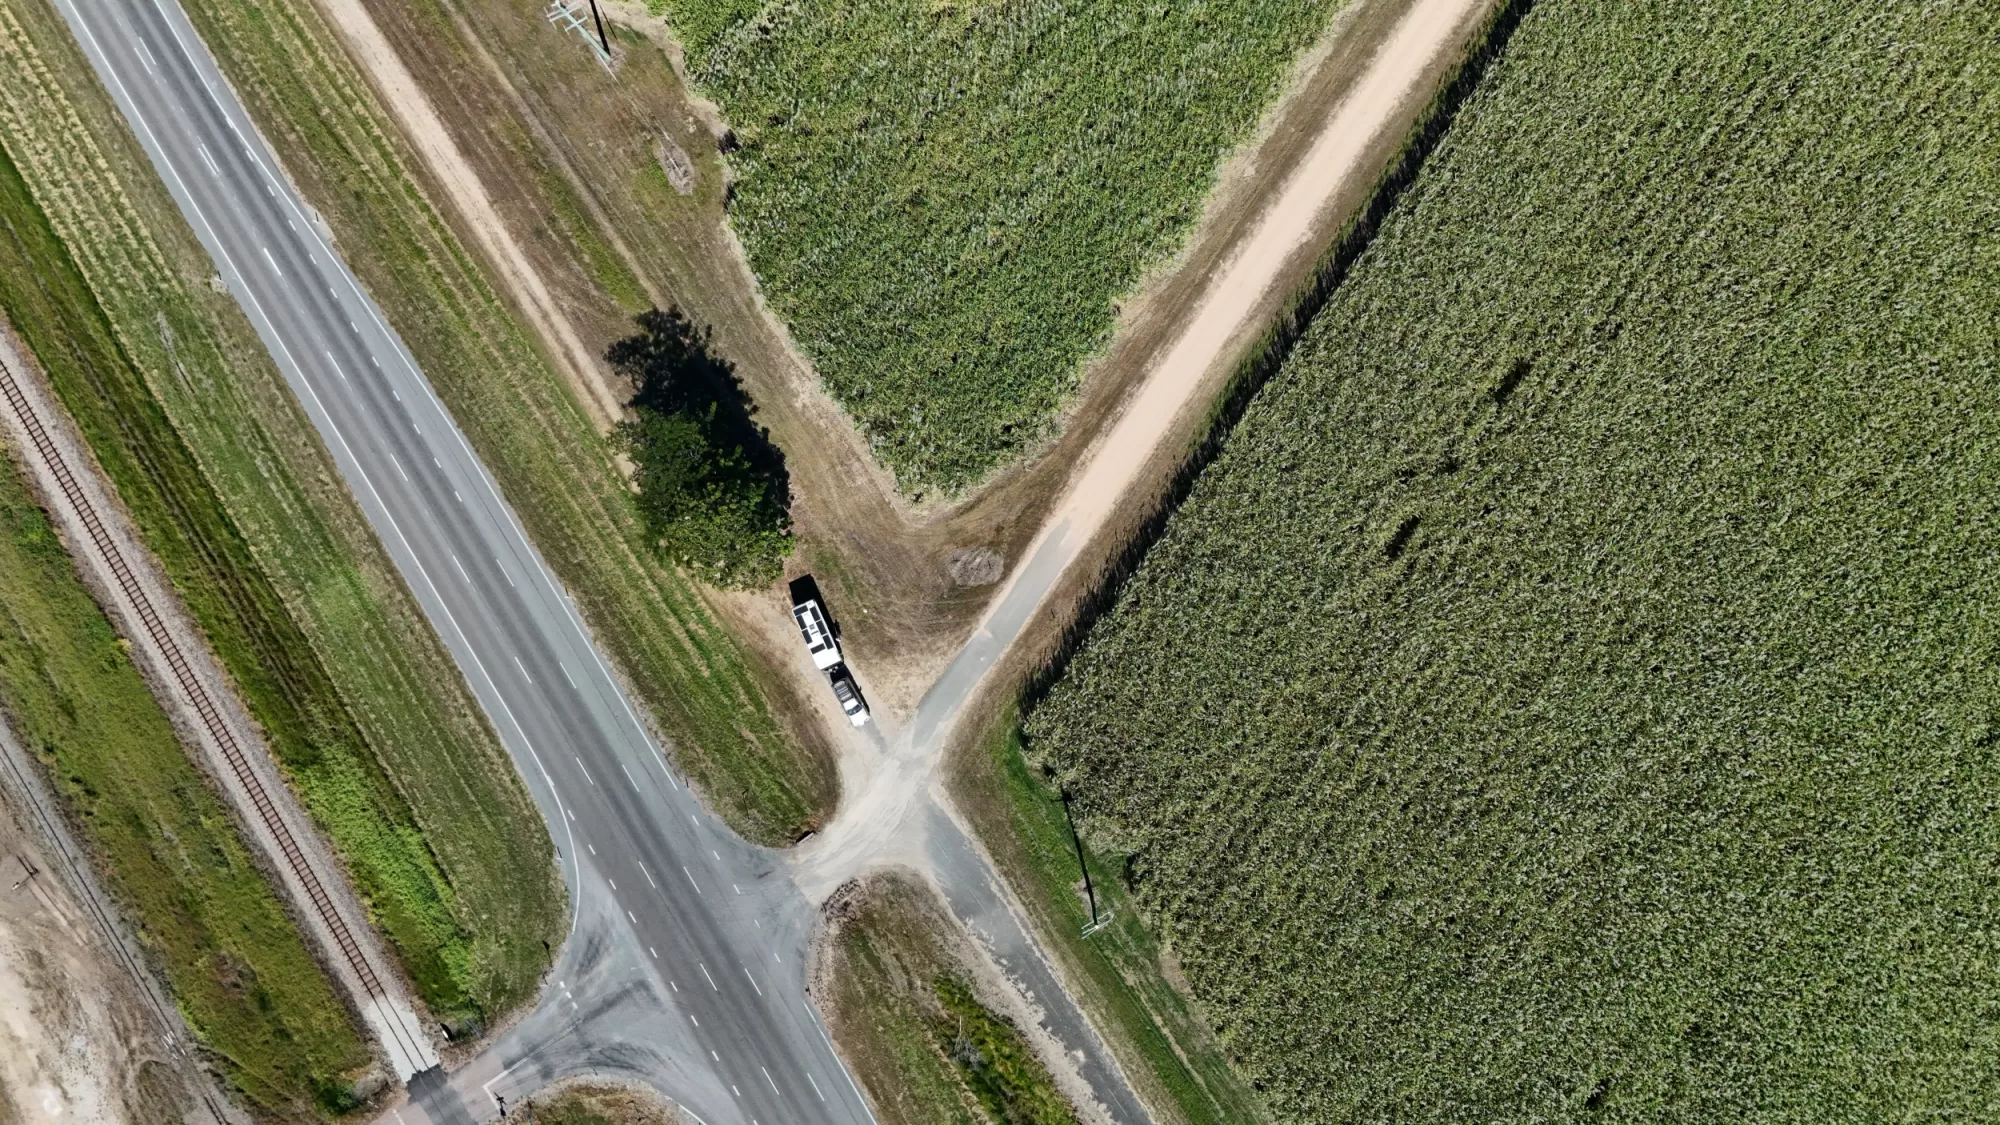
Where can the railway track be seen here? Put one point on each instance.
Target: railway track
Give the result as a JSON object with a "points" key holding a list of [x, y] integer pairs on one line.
{"points": [[212, 721]]}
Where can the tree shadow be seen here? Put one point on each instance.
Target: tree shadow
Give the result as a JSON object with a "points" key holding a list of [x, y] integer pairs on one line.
{"points": [[673, 370]]}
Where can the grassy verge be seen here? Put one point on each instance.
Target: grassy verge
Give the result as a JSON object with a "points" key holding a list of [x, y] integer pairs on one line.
{"points": [[1636, 759], [237, 500], [598, 1105], [560, 475], [237, 966], [1120, 973], [912, 1026], [945, 202]]}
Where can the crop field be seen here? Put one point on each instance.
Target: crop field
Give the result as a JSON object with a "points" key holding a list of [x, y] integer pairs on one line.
{"points": [[238, 968], [560, 475], [1571, 693], [945, 202], [233, 494]]}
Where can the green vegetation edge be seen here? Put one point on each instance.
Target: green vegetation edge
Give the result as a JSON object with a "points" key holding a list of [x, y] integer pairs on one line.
{"points": [[199, 903], [1118, 973], [912, 1024], [445, 887], [770, 780]]}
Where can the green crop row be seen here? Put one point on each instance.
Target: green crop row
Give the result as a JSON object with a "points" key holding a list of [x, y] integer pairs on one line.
{"points": [[238, 967], [1573, 691], [945, 201], [238, 501]]}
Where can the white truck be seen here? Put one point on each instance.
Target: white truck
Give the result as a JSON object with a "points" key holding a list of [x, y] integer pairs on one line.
{"points": [[822, 637]]}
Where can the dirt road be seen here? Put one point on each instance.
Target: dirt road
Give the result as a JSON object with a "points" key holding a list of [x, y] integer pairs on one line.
{"points": [[896, 811]]}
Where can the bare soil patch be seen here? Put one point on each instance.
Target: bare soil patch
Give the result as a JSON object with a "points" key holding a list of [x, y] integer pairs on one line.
{"points": [[79, 1040], [595, 1102]]}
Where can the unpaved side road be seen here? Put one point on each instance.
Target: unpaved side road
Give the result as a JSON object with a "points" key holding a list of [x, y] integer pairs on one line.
{"points": [[897, 809], [193, 691], [1115, 476]]}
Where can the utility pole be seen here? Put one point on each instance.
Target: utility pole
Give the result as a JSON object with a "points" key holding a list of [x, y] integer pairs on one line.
{"points": [[606, 43]]}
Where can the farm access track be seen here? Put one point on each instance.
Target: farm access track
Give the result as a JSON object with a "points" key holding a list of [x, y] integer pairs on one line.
{"points": [[403, 1040]]}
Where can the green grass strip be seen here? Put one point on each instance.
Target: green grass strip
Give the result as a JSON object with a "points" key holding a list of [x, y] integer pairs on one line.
{"points": [[1124, 979], [235, 496], [557, 471], [268, 659], [238, 968]]}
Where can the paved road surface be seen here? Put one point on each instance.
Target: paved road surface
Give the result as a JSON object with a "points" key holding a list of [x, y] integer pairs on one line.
{"points": [[685, 966]]}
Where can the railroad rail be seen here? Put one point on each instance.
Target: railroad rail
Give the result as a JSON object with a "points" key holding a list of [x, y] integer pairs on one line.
{"points": [[210, 714]]}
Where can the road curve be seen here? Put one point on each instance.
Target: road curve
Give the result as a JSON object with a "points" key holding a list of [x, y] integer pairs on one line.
{"points": [[698, 937]]}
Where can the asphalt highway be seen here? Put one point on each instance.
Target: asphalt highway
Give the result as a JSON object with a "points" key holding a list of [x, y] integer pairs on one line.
{"points": [[697, 936]]}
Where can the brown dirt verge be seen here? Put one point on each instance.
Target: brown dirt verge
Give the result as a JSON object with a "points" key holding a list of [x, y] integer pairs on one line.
{"points": [[86, 1034], [591, 1101]]}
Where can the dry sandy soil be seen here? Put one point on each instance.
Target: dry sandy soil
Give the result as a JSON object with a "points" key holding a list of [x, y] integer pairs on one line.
{"points": [[79, 1038]]}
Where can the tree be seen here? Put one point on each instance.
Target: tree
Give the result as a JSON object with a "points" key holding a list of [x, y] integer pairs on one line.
{"points": [[712, 489]]}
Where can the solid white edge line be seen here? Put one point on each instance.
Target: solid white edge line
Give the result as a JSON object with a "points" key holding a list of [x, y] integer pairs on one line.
{"points": [[418, 1043], [513, 523], [576, 904]]}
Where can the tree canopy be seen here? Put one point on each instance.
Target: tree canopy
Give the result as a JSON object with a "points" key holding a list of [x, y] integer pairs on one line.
{"points": [[712, 488]]}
